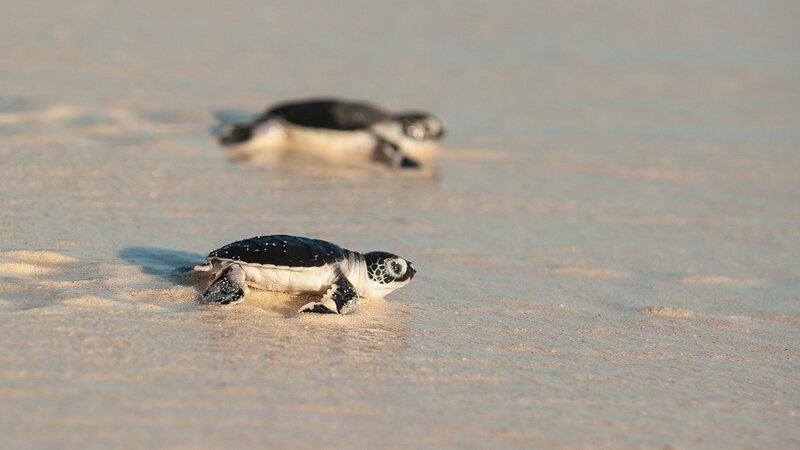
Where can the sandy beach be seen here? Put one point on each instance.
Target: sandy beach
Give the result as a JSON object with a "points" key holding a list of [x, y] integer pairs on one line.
{"points": [[607, 257]]}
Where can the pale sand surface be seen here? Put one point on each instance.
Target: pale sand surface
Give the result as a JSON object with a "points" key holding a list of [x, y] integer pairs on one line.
{"points": [[609, 256]]}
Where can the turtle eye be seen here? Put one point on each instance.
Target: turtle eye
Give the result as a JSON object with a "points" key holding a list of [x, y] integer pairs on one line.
{"points": [[396, 268], [416, 131]]}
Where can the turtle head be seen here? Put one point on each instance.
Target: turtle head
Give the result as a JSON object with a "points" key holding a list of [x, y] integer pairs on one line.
{"points": [[389, 270], [420, 126]]}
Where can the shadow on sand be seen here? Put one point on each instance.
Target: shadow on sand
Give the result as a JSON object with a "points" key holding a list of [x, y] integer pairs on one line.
{"points": [[174, 265]]}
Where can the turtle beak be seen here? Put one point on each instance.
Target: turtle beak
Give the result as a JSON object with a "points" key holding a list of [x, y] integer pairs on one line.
{"points": [[411, 271]]}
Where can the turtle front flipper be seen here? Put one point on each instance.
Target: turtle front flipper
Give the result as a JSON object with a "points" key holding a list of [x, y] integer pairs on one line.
{"points": [[341, 298], [228, 287], [396, 156]]}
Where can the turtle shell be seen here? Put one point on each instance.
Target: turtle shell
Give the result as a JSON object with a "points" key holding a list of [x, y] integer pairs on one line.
{"points": [[328, 113], [281, 250]]}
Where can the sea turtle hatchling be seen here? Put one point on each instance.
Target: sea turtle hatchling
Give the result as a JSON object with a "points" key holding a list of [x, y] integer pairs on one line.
{"points": [[302, 265], [332, 126]]}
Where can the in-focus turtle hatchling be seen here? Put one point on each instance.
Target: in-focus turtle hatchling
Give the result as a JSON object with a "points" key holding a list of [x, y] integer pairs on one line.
{"points": [[302, 265], [407, 139]]}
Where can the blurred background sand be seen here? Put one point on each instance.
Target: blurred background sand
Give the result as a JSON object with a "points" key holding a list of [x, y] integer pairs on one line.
{"points": [[609, 257]]}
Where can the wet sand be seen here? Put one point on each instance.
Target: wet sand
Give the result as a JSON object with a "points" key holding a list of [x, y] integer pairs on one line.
{"points": [[608, 256]]}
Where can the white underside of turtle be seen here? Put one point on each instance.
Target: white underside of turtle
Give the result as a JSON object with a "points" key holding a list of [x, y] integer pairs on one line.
{"points": [[277, 135], [295, 280]]}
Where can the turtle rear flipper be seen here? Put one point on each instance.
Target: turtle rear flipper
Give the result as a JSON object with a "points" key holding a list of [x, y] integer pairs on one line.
{"points": [[235, 133], [341, 298], [228, 287]]}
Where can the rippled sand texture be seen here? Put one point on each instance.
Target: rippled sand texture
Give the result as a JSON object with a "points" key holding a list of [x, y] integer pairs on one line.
{"points": [[608, 257]]}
